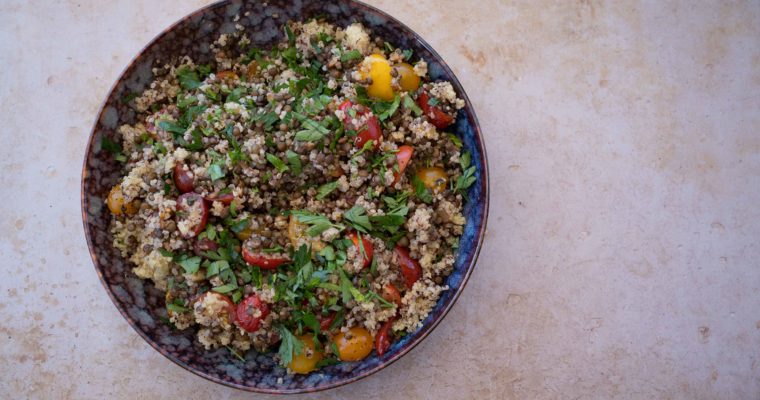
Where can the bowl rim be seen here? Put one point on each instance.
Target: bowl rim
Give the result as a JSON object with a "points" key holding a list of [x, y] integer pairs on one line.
{"points": [[485, 177]]}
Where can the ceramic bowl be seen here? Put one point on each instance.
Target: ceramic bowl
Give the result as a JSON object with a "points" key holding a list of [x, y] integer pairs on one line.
{"points": [[142, 305]]}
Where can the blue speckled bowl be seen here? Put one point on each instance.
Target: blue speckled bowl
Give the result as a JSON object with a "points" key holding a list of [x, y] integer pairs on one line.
{"points": [[142, 305]]}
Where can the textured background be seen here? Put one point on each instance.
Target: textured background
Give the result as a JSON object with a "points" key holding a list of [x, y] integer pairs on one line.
{"points": [[624, 238]]}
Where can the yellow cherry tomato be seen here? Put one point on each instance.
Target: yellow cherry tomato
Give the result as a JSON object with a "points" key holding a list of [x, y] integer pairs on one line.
{"points": [[297, 235], [353, 345], [307, 360], [117, 204], [375, 66], [434, 178], [408, 80], [244, 234]]}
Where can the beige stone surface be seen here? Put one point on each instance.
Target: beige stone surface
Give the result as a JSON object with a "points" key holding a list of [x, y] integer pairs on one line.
{"points": [[622, 258]]}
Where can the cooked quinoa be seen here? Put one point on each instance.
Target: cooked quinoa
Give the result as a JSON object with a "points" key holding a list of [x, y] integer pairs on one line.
{"points": [[306, 199]]}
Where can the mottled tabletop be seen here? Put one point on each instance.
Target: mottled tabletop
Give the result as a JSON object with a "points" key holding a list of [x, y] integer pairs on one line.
{"points": [[622, 257]]}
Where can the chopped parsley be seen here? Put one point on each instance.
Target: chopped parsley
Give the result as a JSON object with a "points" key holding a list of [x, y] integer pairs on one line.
{"points": [[326, 189], [468, 175], [278, 164]]}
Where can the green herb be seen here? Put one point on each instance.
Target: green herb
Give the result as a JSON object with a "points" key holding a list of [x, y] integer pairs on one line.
{"points": [[348, 290], [289, 346], [317, 223], [409, 104], [387, 109], [215, 172], [235, 353], [188, 78], [165, 253], [407, 54], [176, 308], [358, 218], [391, 221], [234, 95], [350, 56], [468, 175], [421, 191], [277, 163], [326, 362], [276, 249], [455, 139], [240, 226], [290, 35], [310, 321], [113, 148], [294, 161], [433, 101], [189, 264], [312, 130], [226, 288], [326, 189]]}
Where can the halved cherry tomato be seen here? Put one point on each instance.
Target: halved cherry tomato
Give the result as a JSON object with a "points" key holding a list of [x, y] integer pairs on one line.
{"points": [[325, 321], [183, 178], [263, 260], [383, 337], [203, 246], [194, 209], [403, 157], [118, 205], [225, 198], [434, 178], [307, 360], [353, 345], [378, 68], [434, 114], [250, 312], [371, 129], [410, 268], [408, 79], [391, 294], [366, 244]]}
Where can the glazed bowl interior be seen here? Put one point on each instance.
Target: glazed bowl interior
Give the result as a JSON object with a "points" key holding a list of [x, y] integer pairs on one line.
{"points": [[142, 304]]}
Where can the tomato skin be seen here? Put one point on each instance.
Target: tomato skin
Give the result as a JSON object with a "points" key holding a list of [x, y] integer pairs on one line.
{"points": [[368, 248], [434, 178], [204, 245], [326, 321], [410, 268], [306, 361], [244, 313], [383, 337], [117, 205], [263, 261], [371, 130], [354, 345], [225, 198], [433, 113], [403, 157], [183, 179], [227, 75], [184, 204], [391, 294], [408, 79]]}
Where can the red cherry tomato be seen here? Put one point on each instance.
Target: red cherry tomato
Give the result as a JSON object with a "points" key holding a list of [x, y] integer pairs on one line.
{"points": [[403, 157], [183, 179], [433, 113], [371, 130], [250, 312], [263, 260], [326, 321], [391, 294], [192, 207], [410, 268], [368, 248], [383, 337], [225, 198], [204, 245]]}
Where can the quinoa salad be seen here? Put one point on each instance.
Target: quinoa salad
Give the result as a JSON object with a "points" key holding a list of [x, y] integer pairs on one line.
{"points": [[304, 200]]}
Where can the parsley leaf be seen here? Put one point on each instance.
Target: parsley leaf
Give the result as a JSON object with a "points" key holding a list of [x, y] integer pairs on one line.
{"points": [[215, 172], [189, 264], [358, 218], [387, 108], [409, 104], [277, 163], [188, 78], [317, 223], [113, 148], [312, 130], [295, 162], [468, 175], [421, 191], [326, 189], [289, 346], [350, 55]]}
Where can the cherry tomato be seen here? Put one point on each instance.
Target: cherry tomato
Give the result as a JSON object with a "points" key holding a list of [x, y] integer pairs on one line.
{"points": [[203, 246], [263, 260], [433, 113], [117, 205], [383, 337], [183, 179], [225, 198], [434, 178], [403, 157], [229, 307], [410, 268], [368, 248], [307, 360], [353, 345], [376, 67], [326, 321], [193, 210], [371, 129], [391, 294], [345, 106], [250, 312], [408, 79]]}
